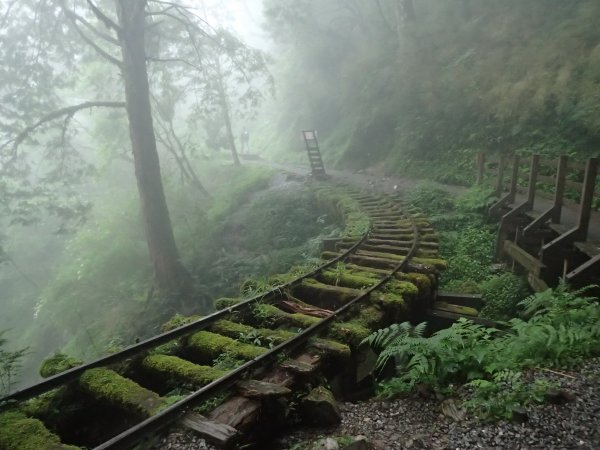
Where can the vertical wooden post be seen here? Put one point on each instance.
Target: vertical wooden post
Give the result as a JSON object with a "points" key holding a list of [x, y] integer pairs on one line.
{"points": [[514, 179], [561, 175], [587, 196], [533, 173], [480, 168], [500, 183]]}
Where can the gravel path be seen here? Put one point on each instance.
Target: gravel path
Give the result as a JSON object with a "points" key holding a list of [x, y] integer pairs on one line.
{"points": [[419, 423]]}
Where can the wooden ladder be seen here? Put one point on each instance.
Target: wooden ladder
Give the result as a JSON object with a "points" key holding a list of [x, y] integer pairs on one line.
{"points": [[314, 154]]}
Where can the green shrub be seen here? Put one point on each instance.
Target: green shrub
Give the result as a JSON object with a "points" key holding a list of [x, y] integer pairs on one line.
{"points": [[502, 293]]}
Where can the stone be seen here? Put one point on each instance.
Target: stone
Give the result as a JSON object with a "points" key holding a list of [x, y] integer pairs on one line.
{"points": [[359, 443], [319, 407], [325, 444]]}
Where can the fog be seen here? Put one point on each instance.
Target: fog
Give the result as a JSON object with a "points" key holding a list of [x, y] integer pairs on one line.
{"points": [[127, 159]]}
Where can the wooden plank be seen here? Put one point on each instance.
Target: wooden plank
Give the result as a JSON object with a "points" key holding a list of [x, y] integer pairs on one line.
{"points": [[591, 266], [538, 221], [589, 184], [454, 317], [559, 190], [217, 433], [261, 389], [533, 174], [457, 309], [529, 262], [536, 283], [471, 300], [591, 249]]}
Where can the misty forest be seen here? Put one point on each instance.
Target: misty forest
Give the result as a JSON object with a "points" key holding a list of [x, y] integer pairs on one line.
{"points": [[370, 224]]}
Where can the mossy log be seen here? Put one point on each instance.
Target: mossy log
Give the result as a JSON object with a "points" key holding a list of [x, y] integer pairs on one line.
{"points": [[324, 295], [174, 368], [351, 332], [209, 346], [381, 263], [19, 432], [107, 386], [271, 314]]}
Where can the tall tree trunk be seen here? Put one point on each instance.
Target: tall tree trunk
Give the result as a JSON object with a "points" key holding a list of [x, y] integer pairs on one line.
{"points": [[226, 113], [171, 276]]}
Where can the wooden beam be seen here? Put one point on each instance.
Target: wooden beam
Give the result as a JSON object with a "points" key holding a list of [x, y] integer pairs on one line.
{"points": [[480, 167], [587, 197], [533, 174], [514, 179], [529, 262], [559, 191], [536, 283], [500, 180], [588, 267], [539, 221]]}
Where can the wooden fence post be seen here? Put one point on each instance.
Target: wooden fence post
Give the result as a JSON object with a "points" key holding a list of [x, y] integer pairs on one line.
{"points": [[500, 183], [533, 173], [514, 180], [587, 196], [480, 168], [561, 175]]}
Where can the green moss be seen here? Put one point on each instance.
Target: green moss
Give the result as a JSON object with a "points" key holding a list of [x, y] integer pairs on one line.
{"points": [[350, 332], [44, 404], [110, 387], [349, 279], [389, 300], [270, 313], [211, 345], [370, 317], [420, 280], [438, 263], [19, 432], [226, 302], [236, 330], [178, 321], [57, 364], [179, 369], [331, 348]]}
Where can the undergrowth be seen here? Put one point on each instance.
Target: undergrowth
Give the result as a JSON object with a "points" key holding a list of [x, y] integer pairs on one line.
{"points": [[558, 328]]}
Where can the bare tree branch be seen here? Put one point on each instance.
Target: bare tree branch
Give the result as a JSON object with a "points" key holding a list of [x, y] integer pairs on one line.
{"points": [[179, 60], [68, 111], [95, 46], [108, 23], [74, 16]]}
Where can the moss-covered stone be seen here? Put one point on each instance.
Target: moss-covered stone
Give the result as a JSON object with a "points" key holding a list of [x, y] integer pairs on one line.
{"points": [[19, 432], [108, 386], [351, 333], [57, 364], [172, 367], [211, 345], [226, 302], [178, 321]]}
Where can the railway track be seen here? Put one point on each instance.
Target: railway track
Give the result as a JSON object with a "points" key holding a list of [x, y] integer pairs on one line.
{"points": [[306, 327]]}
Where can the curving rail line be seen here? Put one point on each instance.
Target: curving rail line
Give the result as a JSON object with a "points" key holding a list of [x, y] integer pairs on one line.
{"points": [[390, 247]]}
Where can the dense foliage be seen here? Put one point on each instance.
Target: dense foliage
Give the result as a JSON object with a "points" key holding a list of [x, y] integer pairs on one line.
{"points": [[454, 78], [561, 330]]}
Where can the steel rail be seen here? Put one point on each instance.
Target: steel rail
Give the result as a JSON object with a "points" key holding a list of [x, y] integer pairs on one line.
{"points": [[133, 435], [74, 373]]}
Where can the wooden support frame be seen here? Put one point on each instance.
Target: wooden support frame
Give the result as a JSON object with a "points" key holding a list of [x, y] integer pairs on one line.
{"points": [[512, 193], [580, 231]]}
